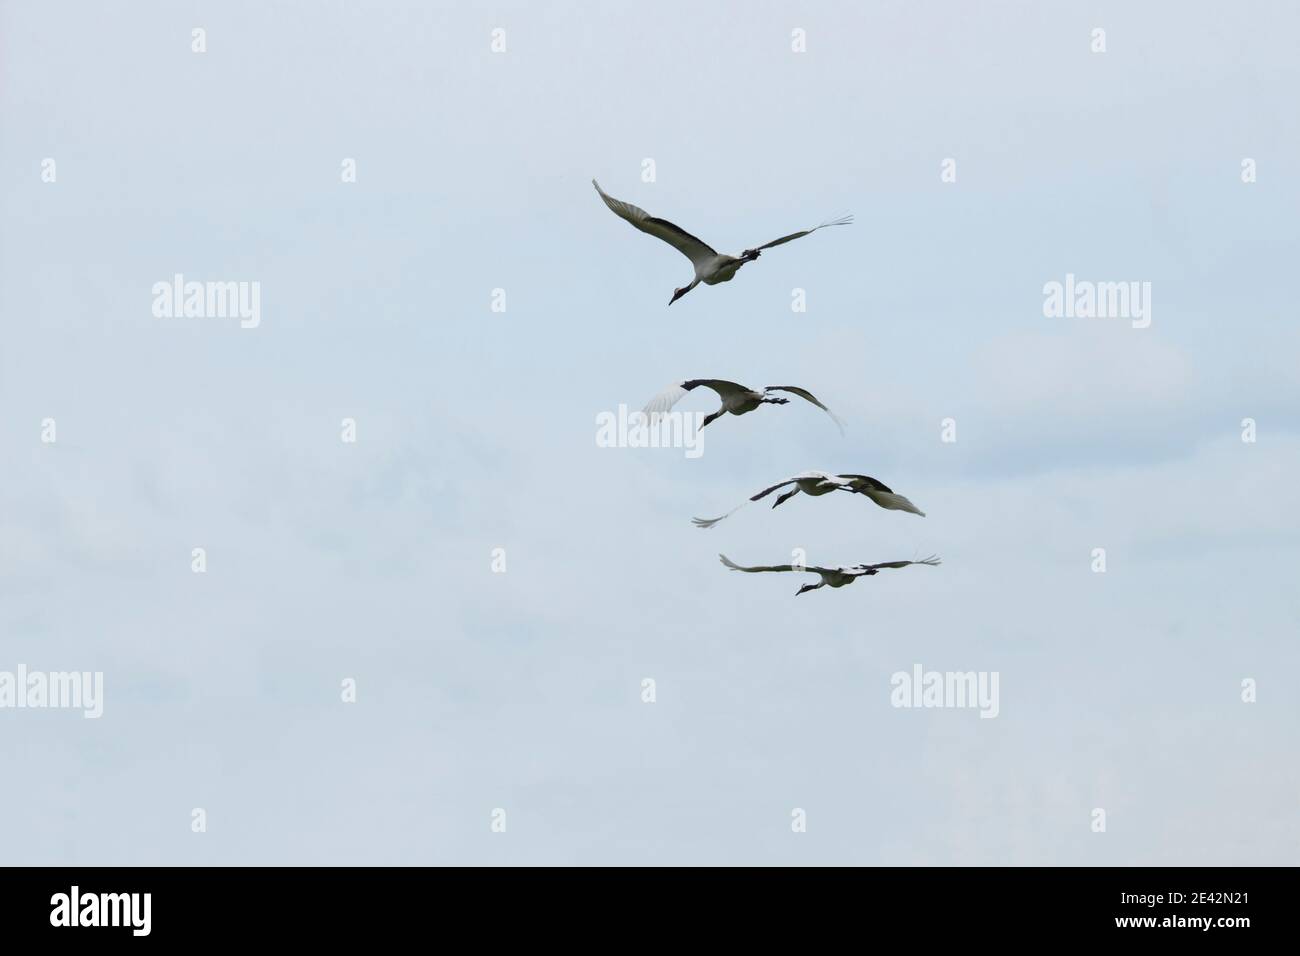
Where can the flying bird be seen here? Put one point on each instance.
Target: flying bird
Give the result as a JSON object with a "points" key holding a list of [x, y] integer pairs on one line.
{"points": [[832, 577], [818, 483], [737, 399], [711, 267]]}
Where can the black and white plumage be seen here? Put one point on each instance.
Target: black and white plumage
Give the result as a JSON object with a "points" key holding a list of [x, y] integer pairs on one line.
{"points": [[830, 577], [818, 483], [736, 399], [711, 267]]}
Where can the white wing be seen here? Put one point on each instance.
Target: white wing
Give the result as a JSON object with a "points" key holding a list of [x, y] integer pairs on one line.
{"points": [[671, 395], [772, 567], [932, 561], [842, 221], [710, 522], [833, 479], [698, 251], [892, 501]]}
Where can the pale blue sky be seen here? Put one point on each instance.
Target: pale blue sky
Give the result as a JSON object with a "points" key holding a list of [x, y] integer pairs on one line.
{"points": [[476, 431]]}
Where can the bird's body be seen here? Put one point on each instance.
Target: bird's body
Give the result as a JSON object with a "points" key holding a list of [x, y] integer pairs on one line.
{"points": [[818, 483], [736, 399], [711, 266], [815, 485], [739, 400], [719, 269], [834, 577]]}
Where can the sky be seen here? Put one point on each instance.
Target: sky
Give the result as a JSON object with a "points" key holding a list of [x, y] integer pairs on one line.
{"points": [[495, 587]]}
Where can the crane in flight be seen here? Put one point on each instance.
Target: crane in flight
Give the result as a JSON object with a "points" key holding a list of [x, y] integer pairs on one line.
{"points": [[736, 399], [711, 267], [830, 577], [818, 483]]}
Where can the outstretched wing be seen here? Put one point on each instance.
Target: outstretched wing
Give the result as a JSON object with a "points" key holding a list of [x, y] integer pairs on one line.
{"points": [[780, 484], [932, 560], [892, 502], [694, 249], [773, 567], [865, 481], [809, 397], [710, 522], [671, 395], [881, 494], [842, 221]]}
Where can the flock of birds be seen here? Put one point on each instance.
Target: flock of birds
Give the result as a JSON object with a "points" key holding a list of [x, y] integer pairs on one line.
{"points": [[712, 267]]}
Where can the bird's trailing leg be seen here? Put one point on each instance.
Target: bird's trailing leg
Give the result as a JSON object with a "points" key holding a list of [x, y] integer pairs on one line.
{"points": [[767, 400], [785, 497]]}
